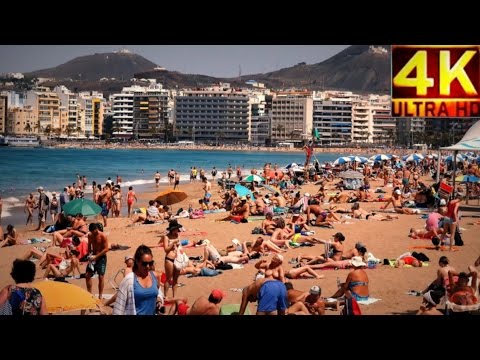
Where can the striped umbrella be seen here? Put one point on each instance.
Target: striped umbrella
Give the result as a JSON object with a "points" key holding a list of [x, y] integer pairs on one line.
{"points": [[413, 157], [342, 160], [359, 159], [380, 157]]}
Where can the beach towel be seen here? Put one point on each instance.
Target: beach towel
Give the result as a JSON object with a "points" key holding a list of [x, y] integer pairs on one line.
{"points": [[393, 262], [214, 211], [431, 247], [255, 218], [35, 241], [194, 233], [232, 309], [369, 301]]}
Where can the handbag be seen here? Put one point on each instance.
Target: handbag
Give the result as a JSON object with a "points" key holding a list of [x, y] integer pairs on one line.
{"points": [[6, 307], [181, 260]]}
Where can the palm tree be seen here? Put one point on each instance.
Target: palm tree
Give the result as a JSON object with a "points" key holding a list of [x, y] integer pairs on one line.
{"points": [[220, 135], [70, 129], [279, 129], [48, 130], [78, 130], [116, 128], [28, 128]]}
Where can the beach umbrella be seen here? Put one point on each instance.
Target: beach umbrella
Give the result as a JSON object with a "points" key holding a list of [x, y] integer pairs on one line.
{"points": [[360, 159], [413, 157], [342, 160], [379, 157], [293, 164], [458, 158], [252, 178], [350, 174], [170, 197], [84, 206], [467, 178], [242, 191], [61, 296]]}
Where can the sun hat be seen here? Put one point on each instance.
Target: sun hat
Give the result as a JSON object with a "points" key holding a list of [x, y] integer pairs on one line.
{"points": [[236, 242], [307, 194], [357, 261], [443, 202], [128, 257], [398, 192], [173, 225], [40, 188], [315, 290]]}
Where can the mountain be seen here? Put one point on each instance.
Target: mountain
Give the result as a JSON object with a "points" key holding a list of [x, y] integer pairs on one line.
{"points": [[358, 68], [120, 65]]}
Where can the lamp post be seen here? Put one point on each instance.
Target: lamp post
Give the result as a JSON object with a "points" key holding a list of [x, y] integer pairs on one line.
{"points": [[452, 132]]}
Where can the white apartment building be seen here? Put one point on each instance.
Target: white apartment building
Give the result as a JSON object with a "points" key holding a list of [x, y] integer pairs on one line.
{"points": [[371, 120], [332, 117], [217, 115], [292, 116]]}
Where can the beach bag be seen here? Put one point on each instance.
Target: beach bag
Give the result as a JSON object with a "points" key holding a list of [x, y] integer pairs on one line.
{"points": [[458, 237], [46, 200], [181, 260], [351, 307], [6, 307]]}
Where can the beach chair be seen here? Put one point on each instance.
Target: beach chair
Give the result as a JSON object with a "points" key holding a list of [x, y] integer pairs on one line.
{"points": [[113, 280]]}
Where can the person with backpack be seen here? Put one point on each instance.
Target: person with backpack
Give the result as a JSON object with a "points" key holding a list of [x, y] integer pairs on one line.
{"points": [[54, 207], [43, 206]]}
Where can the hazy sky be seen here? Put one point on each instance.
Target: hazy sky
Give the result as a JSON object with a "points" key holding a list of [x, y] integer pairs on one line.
{"points": [[214, 60]]}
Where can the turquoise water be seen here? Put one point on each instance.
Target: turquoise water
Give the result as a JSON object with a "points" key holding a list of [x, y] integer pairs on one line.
{"points": [[23, 169]]}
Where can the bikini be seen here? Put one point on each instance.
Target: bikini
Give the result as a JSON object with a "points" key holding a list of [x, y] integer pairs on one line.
{"points": [[354, 294]]}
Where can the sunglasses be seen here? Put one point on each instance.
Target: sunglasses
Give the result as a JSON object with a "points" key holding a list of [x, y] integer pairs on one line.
{"points": [[148, 263]]}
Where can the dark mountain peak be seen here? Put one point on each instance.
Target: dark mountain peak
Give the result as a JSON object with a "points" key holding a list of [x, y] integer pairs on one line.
{"points": [[360, 68], [120, 65]]}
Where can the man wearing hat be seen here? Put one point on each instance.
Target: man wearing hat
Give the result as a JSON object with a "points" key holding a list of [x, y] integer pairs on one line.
{"points": [[208, 306], [43, 204]]}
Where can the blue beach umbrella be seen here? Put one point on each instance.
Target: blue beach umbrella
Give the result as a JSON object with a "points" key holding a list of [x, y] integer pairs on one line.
{"points": [[413, 157], [359, 159], [242, 191], [467, 178], [342, 160], [380, 157]]}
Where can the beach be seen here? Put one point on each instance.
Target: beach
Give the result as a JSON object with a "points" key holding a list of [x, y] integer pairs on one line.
{"points": [[384, 239]]}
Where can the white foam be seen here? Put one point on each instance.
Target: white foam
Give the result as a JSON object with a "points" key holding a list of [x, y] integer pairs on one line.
{"points": [[11, 200]]}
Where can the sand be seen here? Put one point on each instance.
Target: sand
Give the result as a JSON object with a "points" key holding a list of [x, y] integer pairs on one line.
{"points": [[384, 239]]}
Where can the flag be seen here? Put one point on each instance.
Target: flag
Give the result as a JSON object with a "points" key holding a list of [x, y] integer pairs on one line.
{"points": [[316, 134]]}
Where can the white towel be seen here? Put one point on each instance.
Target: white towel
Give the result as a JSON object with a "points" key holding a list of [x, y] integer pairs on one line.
{"points": [[369, 301]]}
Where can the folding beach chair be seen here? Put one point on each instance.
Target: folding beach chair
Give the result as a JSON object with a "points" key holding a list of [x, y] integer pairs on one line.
{"points": [[113, 280]]}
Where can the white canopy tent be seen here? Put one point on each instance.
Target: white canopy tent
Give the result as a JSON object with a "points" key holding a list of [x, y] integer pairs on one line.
{"points": [[469, 142]]}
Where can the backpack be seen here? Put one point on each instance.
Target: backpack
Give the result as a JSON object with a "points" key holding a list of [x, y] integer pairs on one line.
{"points": [[46, 200], [458, 237], [351, 307]]}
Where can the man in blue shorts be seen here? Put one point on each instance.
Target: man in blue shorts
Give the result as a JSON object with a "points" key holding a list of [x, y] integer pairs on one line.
{"points": [[271, 295]]}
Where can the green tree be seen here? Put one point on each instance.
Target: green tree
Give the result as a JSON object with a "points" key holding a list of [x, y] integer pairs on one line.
{"points": [[28, 128]]}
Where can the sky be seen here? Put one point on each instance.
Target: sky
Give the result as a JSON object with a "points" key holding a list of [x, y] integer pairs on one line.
{"points": [[213, 60]]}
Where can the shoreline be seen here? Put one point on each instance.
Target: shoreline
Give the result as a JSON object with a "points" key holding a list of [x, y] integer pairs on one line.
{"points": [[243, 148]]}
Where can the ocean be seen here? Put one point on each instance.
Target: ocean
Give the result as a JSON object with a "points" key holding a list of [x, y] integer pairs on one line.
{"points": [[22, 170]]}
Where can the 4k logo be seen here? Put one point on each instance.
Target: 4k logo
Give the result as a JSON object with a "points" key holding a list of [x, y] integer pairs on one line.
{"points": [[435, 81]]}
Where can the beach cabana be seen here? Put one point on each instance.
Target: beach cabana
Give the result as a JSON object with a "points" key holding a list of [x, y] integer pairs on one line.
{"points": [[470, 142]]}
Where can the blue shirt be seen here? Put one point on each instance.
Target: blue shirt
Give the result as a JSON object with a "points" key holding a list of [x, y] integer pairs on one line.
{"points": [[145, 298]]}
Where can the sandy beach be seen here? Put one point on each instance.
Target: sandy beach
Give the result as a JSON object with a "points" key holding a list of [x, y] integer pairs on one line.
{"points": [[385, 239]]}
